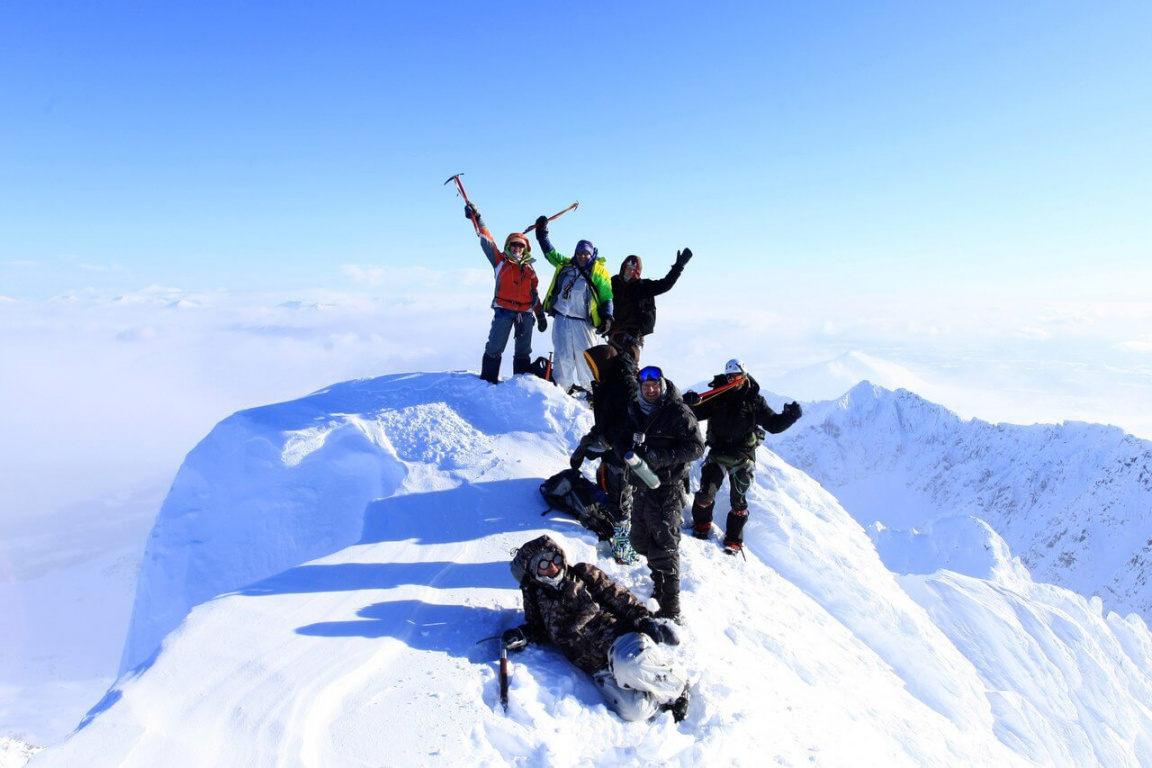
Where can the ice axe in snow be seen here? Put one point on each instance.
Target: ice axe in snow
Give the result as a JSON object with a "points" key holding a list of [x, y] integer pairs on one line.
{"points": [[572, 207], [464, 195], [503, 666]]}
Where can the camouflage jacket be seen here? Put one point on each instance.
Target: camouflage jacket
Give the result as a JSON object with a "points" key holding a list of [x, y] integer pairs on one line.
{"points": [[583, 616]]}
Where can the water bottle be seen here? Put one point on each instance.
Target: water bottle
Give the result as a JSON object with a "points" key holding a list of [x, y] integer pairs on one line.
{"points": [[641, 469]]}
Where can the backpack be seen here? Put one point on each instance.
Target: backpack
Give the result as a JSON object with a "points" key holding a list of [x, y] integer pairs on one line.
{"points": [[542, 367], [570, 493]]}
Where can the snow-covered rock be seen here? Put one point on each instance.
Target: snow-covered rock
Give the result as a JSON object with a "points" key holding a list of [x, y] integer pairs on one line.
{"points": [[809, 650], [14, 754], [1073, 501]]}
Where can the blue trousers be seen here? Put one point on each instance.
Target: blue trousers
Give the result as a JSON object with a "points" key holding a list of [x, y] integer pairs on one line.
{"points": [[503, 323]]}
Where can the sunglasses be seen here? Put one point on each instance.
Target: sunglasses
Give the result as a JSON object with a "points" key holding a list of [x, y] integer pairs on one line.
{"points": [[650, 373], [515, 245], [583, 253]]}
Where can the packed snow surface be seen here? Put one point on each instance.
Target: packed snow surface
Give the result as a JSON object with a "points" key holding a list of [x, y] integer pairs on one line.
{"points": [[318, 580]]}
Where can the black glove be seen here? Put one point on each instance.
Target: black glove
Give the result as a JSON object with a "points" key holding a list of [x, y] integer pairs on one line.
{"points": [[605, 325], [541, 226], [690, 398], [658, 630], [793, 411], [514, 639], [541, 322], [471, 212], [683, 257]]}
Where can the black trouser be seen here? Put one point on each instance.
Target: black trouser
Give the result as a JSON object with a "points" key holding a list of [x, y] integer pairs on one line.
{"points": [[613, 483], [656, 518], [740, 475]]}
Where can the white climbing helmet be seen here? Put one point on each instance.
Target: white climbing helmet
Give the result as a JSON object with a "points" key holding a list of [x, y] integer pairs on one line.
{"points": [[735, 366]]}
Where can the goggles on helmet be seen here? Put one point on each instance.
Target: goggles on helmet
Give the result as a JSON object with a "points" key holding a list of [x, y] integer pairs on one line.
{"points": [[650, 373]]}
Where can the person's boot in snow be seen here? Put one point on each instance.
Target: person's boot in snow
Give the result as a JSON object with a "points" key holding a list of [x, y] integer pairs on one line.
{"points": [[734, 531], [490, 369], [621, 545], [669, 597], [701, 519], [521, 365]]}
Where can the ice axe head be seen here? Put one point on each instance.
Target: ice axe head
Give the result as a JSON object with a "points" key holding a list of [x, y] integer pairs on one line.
{"points": [[459, 186]]}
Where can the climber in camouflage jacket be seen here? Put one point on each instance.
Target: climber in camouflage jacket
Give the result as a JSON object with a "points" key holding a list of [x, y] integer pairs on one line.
{"points": [[583, 612]]}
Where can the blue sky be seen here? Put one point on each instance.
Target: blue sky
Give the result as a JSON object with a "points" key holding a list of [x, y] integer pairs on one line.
{"points": [[208, 145]]}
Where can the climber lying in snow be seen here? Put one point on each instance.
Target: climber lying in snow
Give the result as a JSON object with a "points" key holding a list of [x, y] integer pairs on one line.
{"points": [[601, 628]]}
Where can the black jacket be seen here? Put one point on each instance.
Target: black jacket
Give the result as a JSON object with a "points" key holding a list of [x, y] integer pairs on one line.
{"points": [[635, 301], [671, 437], [733, 417]]}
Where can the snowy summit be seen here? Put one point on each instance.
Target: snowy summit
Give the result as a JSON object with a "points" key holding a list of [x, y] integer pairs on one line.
{"points": [[319, 577]]}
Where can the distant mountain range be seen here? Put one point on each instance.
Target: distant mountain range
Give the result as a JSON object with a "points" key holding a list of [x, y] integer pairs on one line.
{"points": [[1073, 501]]}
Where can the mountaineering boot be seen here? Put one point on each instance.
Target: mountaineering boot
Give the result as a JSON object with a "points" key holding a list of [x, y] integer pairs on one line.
{"points": [[701, 519], [734, 530], [521, 364], [490, 369], [621, 545], [732, 547]]}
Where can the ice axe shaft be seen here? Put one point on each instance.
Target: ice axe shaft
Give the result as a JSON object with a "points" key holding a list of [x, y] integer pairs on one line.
{"points": [[464, 195], [572, 207], [504, 678]]}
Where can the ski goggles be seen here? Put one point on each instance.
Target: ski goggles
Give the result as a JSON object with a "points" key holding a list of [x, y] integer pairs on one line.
{"points": [[650, 373], [546, 560]]}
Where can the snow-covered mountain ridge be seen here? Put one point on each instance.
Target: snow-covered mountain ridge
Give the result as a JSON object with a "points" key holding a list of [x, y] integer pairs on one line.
{"points": [[418, 486], [1073, 501]]}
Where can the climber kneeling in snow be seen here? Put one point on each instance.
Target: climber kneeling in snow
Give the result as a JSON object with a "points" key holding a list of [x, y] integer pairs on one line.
{"points": [[614, 388], [737, 416], [602, 628]]}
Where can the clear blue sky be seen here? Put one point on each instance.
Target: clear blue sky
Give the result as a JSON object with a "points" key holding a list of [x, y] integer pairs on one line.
{"points": [[220, 144]]}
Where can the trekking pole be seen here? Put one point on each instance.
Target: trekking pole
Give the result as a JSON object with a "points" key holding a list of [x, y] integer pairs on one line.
{"points": [[464, 195], [572, 207]]}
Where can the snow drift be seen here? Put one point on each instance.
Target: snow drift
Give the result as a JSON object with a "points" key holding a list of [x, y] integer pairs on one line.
{"points": [[322, 569]]}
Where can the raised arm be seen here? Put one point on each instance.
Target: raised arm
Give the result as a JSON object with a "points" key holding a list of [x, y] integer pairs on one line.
{"points": [[486, 241], [774, 422], [665, 284], [550, 253]]}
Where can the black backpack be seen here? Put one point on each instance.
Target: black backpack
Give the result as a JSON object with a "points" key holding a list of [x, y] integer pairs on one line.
{"points": [[542, 367], [570, 493]]}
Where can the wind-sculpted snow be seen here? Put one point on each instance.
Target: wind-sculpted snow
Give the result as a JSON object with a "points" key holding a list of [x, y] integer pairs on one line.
{"points": [[276, 486], [1074, 501], [807, 651]]}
